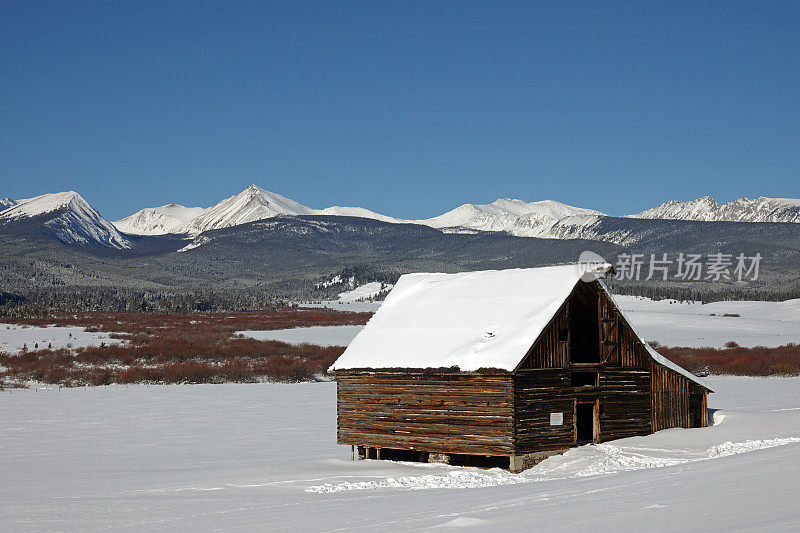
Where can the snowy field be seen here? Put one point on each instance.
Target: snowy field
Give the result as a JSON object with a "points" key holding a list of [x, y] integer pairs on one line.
{"points": [[340, 305], [364, 292], [14, 337], [694, 324], [263, 457], [320, 335]]}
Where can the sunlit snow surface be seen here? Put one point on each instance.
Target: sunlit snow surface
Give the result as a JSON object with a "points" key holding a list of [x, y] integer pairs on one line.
{"points": [[14, 337], [320, 335], [264, 457], [693, 324]]}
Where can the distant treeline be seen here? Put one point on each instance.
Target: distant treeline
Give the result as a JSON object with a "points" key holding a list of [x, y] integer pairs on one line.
{"points": [[53, 300], [48, 302], [705, 294]]}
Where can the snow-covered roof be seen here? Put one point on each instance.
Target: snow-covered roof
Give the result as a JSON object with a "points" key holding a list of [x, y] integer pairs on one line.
{"points": [[469, 320]]}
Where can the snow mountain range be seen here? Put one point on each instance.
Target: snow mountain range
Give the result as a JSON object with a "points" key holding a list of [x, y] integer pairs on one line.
{"points": [[759, 209], [518, 217], [70, 219], [170, 218]]}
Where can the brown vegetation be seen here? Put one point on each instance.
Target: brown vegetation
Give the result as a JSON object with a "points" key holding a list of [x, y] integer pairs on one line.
{"points": [[738, 361], [180, 349]]}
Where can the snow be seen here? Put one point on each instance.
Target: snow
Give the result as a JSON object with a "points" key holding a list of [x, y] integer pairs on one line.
{"points": [[38, 205], [327, 283], [543, 219], [171, 218], [761, 209], [364, 292], [354, 307], [512, 215], [694, 324], [6, 203], [243, 457], [469, 320], [13, 337], [518, 217], [356, 212], [253, 203], [320, 335], [77, 223]]}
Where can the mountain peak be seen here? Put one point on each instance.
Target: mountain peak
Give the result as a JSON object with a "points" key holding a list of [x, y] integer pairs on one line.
{"points": [[44, 203], [72, 219], [508, 214], [170, 218], [253, 203], [743, 209]]}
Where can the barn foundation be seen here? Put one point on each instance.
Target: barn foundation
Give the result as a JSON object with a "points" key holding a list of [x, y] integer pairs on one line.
{"points": [[518, 463]]}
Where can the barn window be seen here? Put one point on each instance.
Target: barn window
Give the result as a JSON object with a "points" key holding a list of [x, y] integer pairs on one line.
{"points": [[584, 325], [584, 379]]}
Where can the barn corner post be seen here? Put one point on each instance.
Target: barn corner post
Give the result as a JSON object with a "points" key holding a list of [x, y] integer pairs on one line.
{"points": [[586, 376]]}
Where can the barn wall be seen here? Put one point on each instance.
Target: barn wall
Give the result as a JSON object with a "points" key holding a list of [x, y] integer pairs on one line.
{"points": [[635, 395], [447, 413], [623, 397], [671, 399], [625, 400], [551, 349], [620, 346], [537, 393]]}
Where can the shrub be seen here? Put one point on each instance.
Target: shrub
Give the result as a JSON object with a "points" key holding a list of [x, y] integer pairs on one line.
{"points": [[198, 348], [736, 360]]}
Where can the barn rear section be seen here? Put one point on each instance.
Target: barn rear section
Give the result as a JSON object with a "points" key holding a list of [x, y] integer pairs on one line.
{"points": [[550, 371]]}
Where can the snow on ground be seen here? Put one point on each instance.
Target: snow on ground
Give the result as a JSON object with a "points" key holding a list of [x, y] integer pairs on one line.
{"points": [[355, 307], [364, 292], [264, 457], [691, 324], [13, 337], [321, 335]]}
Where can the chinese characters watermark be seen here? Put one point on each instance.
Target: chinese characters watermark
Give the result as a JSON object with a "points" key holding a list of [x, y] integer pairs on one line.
{"points": [[687, 267]]}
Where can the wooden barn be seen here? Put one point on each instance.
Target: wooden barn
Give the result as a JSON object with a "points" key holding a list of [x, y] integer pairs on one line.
{"points": [[505, 367]]}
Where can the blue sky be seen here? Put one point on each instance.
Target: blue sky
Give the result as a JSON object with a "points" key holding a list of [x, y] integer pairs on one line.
{"points": [[407, 108]]}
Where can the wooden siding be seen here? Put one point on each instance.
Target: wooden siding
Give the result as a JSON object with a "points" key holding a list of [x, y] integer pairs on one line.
{"points": [[447, 413], [551, 349], [623, 396], [671, 398], [622, 347], [537, 393], [625, 403]]}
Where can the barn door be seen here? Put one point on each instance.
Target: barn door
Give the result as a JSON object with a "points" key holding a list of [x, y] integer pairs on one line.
{"points": [[587, 423], [609, 330]]}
